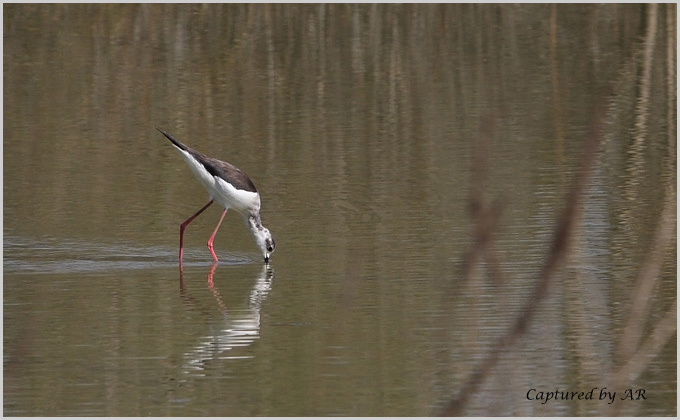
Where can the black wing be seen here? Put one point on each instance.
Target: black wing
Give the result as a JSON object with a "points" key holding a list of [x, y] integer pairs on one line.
{"points": [[218, 168]]}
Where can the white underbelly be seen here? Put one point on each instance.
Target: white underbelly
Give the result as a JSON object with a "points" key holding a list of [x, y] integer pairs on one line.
{"points": [[221, 191], [239, 200]]}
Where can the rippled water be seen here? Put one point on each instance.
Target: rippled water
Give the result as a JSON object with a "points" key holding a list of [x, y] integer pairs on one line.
{"points": [[369, 131]]}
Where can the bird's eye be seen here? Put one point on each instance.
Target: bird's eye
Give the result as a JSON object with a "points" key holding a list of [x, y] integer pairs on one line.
{"points": [[270, 248]]}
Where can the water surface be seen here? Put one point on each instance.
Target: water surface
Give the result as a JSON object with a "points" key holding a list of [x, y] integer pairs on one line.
{"points": [[361, 126]]}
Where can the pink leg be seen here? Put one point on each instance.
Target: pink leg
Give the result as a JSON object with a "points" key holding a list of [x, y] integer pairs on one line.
{"points": [[184, 226], [212, 237]]}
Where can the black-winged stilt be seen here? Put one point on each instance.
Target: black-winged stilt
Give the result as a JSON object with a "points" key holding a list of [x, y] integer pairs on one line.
{"points": [[231, 188]]}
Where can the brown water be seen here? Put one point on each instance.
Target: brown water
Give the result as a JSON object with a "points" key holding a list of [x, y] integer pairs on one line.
{"points": [[359, 125]]}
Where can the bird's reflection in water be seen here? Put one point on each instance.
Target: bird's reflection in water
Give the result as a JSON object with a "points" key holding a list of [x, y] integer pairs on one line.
{"points": [[237, 328]]}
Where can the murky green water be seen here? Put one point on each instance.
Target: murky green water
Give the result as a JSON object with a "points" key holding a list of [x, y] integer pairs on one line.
{"points": [[359, 126]]}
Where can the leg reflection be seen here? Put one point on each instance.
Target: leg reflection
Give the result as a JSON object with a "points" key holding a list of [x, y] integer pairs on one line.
{"points": [[236, 328]]}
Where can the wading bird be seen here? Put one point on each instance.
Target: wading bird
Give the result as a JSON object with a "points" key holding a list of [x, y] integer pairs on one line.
{"points": [[232, 189]]}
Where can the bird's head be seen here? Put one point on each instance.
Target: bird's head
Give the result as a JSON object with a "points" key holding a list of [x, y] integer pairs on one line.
{"points": [[263, 238]]}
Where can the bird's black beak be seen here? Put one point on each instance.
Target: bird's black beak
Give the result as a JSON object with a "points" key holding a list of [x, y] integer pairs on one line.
{"points": [[266, 260]]}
